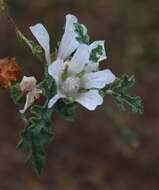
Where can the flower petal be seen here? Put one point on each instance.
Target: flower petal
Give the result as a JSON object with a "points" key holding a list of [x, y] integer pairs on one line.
{"points": [[27, 84], [43, 38], [69, 42], [82, 57], [90, 99], [91, 67], [55, 69], [96, 45], [30, 98], [53, 100], [79, 60], [97, 79], [29, 101]]}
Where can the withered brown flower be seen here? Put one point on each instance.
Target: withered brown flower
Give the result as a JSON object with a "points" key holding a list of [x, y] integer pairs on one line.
{"points": [[9, 71], [28, 87]]}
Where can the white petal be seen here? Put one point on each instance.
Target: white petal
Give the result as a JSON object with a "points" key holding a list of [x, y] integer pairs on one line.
{"points": [[27, 84], [43, 38], [91, 67], [97, 79], [95, 45], [55, 69], [70, 20], [29, 101], [90, 99], [53, 100], [80, 58], [30, 98], [69, 42]]}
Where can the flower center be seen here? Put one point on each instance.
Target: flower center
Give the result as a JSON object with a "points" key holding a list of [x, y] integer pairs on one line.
{"points": [[71, 86]]}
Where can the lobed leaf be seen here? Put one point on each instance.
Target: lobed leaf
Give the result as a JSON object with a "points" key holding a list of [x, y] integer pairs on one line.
{"points": [[16, 94], [119, 91], [38, 132]]}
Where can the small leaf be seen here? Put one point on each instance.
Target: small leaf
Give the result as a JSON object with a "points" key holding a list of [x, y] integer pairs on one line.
{"points": [[66, 110], [24, 143], [16, 94], [119, 91], [48, 86], [35, 48]]}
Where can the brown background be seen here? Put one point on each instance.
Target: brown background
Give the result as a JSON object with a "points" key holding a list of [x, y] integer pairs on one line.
{"points": [[103, 149]]}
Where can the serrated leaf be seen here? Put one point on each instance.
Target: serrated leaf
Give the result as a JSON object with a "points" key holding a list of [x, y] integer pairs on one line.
{"points": [[66, 110], [38, 132], [16, 94], [24, 142], [119, 91], [49, 87], [134, 102]]}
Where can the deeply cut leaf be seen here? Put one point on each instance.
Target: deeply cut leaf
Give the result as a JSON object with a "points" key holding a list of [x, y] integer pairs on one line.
{"points": [[38, 132], [119, 91]]}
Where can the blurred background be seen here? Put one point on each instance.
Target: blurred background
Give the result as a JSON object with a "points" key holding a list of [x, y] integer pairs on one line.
{"points": [[100, 150]]}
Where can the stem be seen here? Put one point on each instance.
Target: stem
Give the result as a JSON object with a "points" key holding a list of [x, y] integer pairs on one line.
{"points": [[2, 5], [5, 9], [25, 119], [109, 92], [24, 38]]}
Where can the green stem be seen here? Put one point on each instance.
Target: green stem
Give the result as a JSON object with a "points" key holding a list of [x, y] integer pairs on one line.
{"points": [[25, 120]]}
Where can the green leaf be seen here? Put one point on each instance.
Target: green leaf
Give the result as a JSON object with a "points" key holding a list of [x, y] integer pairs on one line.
{"points": [[16, 94], [134, 102], [35, 48], [49, 87], [66, 110], [119, 91], [24, 143], [96, 53], [82, 36], [38, 132]]}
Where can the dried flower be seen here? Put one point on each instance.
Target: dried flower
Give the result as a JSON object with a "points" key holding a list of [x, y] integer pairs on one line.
{"points": [[29, 88], [27, 84], [9, 71]]}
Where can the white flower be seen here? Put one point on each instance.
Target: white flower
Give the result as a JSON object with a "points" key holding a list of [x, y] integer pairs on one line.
{"points": [[28, 87], [73, 85], [76, 77], [69, 42]]}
